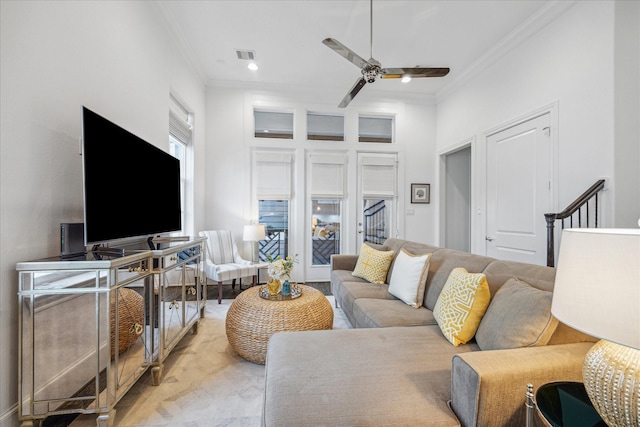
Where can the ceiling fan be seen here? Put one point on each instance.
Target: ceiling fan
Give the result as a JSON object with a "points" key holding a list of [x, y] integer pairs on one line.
{"points": [[372, 69]]}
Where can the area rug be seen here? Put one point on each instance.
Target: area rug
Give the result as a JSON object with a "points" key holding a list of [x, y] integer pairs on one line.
{"points": [[205, 383]]}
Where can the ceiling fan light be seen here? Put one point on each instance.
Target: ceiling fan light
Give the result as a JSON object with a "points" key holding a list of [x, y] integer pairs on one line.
{"points": [[252, 66], [406, 79]]}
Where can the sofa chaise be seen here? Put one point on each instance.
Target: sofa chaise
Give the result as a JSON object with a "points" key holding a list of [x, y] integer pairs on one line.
{"points": [[400, 366]]}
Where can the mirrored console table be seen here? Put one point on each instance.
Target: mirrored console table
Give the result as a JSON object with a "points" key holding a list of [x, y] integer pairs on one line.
{"points": [[89, 327]]}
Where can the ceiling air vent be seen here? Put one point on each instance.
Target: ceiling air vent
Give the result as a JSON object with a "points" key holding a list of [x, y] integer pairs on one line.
{"points": [[249, 55]]}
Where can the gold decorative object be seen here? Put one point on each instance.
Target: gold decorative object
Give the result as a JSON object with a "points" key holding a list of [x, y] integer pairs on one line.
{"points": [[617, 402], [174, 304], [136, 328], [273, 285], [597, 291]]}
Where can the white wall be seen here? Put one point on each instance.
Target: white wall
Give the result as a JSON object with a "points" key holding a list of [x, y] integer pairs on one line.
{"points": [[230, 139], [117, 58], [627, 114], [568, 62]]}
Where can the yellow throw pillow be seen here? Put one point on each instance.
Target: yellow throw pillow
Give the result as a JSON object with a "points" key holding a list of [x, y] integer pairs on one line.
{"points": [[372, 264], [461, 305]]}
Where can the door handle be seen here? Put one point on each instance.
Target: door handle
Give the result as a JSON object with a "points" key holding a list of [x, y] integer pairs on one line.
{"points": [[489, 239]]}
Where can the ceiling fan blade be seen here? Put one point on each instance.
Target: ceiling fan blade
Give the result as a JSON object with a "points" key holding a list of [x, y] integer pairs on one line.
{"points": [[353, 92], [345, 52], [398, 73]]}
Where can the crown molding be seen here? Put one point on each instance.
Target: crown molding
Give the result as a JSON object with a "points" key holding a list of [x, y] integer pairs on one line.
{"points": [[547, 14], [325, 95], [184, 47]]}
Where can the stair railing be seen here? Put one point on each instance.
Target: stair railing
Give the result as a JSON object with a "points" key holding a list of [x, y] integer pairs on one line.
{"points": [[580, 204]]}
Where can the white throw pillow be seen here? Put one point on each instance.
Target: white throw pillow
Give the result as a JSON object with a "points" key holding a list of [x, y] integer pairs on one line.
{"points": [[409, 277]]}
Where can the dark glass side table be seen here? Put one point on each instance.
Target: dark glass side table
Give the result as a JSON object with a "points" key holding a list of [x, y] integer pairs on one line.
{"points": [[566, 404]]}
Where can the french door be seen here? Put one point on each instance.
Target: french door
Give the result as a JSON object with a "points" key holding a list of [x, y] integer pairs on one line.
{"points": [[326, 192], [377, 197]]}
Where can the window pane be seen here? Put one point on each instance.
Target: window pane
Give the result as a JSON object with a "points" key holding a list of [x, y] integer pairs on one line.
{"points": [[274, 214], [325, 230], [324, 127], [376, 218], [273, 125], [375, 129]]}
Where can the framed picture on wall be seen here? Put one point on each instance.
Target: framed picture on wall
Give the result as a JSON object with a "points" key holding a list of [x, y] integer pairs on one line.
{"points": [[420, 193]]}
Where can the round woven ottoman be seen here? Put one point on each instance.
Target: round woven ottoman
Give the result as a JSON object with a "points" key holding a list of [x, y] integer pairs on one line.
{"points": [[130, 318], [252, 320]]}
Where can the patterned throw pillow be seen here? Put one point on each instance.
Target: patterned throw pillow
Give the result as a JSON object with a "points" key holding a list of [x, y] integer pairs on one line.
{"points": [[461, 305], [372, 264]]}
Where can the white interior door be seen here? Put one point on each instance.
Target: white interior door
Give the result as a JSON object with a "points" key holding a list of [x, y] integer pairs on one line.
{"points": [[519, 176]]}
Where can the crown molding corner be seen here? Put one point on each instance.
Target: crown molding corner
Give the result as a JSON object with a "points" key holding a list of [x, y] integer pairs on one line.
{"points": [[547, 14], [185, 48]]}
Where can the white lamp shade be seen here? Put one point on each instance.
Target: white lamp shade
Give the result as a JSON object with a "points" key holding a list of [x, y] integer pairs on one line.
{"points": [[597, 285], [253, 233]]}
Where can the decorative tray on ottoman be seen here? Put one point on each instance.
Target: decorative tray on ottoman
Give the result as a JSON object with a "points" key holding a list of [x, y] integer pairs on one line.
{"points": [[296, 291]]}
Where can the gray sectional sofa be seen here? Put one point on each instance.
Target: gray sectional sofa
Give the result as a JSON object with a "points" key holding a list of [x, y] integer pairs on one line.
{"points": [[396, 368]]}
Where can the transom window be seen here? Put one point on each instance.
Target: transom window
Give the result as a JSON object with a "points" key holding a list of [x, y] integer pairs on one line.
{"points": [[375, 129], [325, 127], [270, 124]]}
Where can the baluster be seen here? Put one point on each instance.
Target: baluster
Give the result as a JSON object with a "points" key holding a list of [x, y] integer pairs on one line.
{"points": [[587, 213], [580, 217], [596, 212]]}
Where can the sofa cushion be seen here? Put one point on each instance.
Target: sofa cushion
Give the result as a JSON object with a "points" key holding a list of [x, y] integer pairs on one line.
{"points": [[519, 316], [409, 277], [500, 271], [373, 264], [380, 376], [346, 293], [461, 305], [442, 262], [384, 313], [411, 247]]}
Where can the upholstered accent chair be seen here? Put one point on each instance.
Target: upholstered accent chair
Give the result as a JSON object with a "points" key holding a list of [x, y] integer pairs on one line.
{"points": [[223, 261]]}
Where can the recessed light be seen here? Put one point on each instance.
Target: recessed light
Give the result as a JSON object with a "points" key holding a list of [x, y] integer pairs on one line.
{"points": [[252, 66], [406, 79]]}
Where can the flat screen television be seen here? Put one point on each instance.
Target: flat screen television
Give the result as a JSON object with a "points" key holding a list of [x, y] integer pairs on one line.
{"points": [[131, 187]]}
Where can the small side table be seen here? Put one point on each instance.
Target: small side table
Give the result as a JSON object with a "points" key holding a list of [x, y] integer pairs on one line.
{"points": [[566, 404]]}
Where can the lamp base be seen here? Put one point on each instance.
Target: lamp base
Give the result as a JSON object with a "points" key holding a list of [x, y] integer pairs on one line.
{"points": [[612, 379]]}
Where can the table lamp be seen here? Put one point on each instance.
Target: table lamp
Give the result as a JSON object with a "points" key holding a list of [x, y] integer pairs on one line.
{"points": [[253, 233], [597, 291]]}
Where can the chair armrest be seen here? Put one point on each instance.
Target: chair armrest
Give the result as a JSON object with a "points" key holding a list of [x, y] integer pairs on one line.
{"points": [[343, 262], [489, 387], [210, 268]]}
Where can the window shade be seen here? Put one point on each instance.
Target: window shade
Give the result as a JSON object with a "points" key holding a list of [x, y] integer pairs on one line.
{"points": [[379, 176], [178, 129], [272, 177], [326, 175]]}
